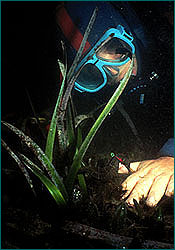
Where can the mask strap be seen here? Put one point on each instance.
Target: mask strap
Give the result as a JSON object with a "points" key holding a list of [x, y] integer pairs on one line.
{"points": [[69, 29]]}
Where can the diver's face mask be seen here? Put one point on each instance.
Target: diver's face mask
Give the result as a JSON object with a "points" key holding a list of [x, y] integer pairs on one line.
{"points": [[102, 63]]}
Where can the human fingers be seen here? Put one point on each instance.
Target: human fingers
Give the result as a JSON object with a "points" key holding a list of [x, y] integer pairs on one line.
{"points": [[134, 166], [124, 170], [138, 184], [157, 189], [170, 188], [131, 181], [140, 190], [130, 184]]}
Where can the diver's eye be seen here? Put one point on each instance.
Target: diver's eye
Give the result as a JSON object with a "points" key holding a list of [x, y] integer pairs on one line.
{"points": [[122, 56], [112, 70]]}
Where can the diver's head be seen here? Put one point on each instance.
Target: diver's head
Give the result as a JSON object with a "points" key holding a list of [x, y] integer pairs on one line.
{"points": [[109, 49]]}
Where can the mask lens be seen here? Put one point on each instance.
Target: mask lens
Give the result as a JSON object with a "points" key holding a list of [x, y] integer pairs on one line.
{"points": [[114, 50], [112, 70], [90, 77]]}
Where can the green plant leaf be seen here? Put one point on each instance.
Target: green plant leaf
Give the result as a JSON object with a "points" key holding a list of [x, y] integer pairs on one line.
{"points": [[54, 191], [70, 125], [79, 137], [41, 157], [71, 77], [19, 163], [82, 183], [61, 134], [82, 45], [79, 156], [52, 129]]}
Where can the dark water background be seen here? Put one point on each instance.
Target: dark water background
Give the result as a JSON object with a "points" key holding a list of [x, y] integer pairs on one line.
{"points": [[28, 56]]}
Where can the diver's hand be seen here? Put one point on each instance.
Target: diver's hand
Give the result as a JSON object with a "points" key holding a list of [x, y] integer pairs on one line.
{"points": [[152, 179]]}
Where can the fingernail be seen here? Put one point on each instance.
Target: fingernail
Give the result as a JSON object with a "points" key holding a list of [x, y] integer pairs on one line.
{"points": [[151, 202], [130, 202], [124, 185]]}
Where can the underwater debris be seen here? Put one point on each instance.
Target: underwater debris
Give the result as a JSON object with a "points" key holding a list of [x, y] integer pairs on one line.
{"points": [[116, 241]]}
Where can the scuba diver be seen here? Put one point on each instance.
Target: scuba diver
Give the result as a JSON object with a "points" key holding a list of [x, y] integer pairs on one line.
{"points": [[117, 37], [111, 45]]}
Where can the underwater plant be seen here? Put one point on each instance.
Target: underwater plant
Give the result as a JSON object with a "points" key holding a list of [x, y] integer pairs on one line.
{"points": [[68, 136]]}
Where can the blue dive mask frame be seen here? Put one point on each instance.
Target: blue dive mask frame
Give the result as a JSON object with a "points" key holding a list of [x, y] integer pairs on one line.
{"points": [[91, 59]]}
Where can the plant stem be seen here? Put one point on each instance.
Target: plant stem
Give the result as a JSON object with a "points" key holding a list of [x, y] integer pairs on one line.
{"points": [[70, 78], [79, 156]]}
